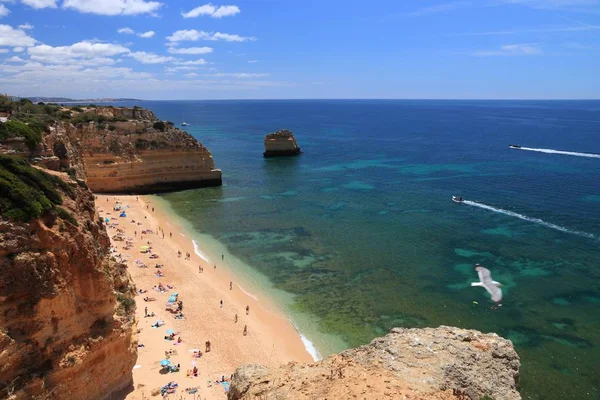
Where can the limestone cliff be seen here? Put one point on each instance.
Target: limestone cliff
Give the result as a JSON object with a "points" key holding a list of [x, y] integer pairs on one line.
{"points": [[128, 150], [66, 309], [442, 363], [281, 143]]}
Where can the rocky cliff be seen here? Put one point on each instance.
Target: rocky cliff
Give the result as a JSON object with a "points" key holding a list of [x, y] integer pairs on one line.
{"points": [[281, 143], [441, 363], [128, 150], [66, 308]]}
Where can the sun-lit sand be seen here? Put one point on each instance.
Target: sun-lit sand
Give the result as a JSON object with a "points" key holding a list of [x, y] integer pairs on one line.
{"points": [[271, 338]]}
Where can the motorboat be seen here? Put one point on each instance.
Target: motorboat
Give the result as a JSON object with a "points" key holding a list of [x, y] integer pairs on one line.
{"points": [[514, 146], [185, 124], [457, 199]]}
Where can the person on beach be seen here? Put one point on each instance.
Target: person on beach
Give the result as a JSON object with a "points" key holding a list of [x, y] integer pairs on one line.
{"points": [[245, 330], [221, 303], [207, 345], [199, 269], [152, 209], [178, 253], [170, 234], [222, 256], [247, 310], [145, 311], [215, 266], [235, 319], [230, 285]]}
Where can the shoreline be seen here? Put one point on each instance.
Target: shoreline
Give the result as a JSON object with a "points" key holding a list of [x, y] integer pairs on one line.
{"points": [[320, 344], [272, 338]]}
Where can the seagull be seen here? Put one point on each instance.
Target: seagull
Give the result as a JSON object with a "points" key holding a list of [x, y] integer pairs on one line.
{"points": [[485, 277]]}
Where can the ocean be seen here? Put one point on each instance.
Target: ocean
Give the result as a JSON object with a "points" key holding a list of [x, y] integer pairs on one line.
{"points": [[359, 233]]}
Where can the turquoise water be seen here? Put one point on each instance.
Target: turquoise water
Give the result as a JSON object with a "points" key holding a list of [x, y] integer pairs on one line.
{"points": [[361, 231]]}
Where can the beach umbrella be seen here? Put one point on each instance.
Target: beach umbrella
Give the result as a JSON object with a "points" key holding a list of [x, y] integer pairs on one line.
{"points": [[170, 331], [165, 363]]}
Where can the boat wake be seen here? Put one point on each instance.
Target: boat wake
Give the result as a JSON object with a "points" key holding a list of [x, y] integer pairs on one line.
{"points": [[530, 219], [565, 153]]}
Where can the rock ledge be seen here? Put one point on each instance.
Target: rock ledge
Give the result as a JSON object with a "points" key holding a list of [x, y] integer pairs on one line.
{"points": [[433, 363]]}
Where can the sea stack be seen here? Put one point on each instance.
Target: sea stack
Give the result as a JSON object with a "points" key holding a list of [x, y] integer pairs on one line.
{"points": [[281, 143]]}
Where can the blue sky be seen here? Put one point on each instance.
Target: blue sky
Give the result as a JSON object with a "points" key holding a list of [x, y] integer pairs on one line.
{"points": [[255, 49]]}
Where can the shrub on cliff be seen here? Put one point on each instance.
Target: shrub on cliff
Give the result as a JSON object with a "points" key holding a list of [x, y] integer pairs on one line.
{"points": [[159, 126], [27, 192], [31, 133]]}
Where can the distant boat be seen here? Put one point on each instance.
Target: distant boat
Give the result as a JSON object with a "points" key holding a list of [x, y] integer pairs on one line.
{"points": [[185, 124], [457, 199], [514, 146]]}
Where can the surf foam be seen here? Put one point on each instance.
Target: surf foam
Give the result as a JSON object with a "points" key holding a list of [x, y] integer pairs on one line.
{"points": [[308, 345], [565, 153], [530, 219], [199, 253]]}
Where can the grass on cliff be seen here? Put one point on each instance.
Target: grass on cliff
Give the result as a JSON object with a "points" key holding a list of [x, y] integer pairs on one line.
{"points": [[26, 192]]}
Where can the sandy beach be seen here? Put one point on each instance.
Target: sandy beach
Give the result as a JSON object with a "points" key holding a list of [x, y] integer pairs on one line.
{"points": [[270, 340]]}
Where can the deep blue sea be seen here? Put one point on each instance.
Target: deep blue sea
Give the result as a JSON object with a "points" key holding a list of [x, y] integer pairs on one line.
{"points": [[362, 231]]}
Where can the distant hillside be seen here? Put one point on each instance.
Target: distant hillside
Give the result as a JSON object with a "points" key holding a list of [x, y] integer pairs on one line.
{"points": [[69, 100]]}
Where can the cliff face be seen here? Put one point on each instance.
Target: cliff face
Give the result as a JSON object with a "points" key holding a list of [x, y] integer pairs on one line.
{"points": [[281, 143], [66, 309], [441, 363], [130, 150]]}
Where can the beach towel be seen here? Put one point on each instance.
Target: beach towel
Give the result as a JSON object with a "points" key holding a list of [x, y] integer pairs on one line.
{"points": [[226, 386]]}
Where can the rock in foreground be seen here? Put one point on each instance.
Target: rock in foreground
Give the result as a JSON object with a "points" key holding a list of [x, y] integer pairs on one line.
{"points": [[431, 363], [281, 143]]}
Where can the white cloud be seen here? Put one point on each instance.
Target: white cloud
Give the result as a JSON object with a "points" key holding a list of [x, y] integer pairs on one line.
{"points": [[191, 50], [511, 50], [38, 4], [15, 59], [191, 74], [113, 7], [199, 61], [19, 49], [129, 31], [241, 75], [147, 35], [252, 61], [212, 11], [4, 11], [3, 50], [26, 26], [81, 53], [150, 58], [230, 38], [193, 35], [15, 37]]}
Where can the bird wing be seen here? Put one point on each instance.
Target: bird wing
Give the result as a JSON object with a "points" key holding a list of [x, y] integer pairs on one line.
{"points": [[495, 292], [484, 274]]}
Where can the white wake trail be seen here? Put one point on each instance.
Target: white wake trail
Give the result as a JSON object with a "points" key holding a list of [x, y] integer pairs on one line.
{"points": [[530, 219], [565, 153]]}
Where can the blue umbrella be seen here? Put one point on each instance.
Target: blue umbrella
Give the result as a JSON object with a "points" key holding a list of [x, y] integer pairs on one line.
{"points": [[165, 363], [172, 299], [170, 331]]}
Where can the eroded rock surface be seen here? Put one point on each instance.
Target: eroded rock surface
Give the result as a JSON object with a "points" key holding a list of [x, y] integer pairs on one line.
{"points": [[131, 150], [66, 309], [431, 363], [281, 143]]}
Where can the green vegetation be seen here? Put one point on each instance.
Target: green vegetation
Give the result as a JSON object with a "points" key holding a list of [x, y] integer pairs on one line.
{"points": [[26, 192], [78, 109], [31, 132], [67, 216], [159, 126], [126, 302]]}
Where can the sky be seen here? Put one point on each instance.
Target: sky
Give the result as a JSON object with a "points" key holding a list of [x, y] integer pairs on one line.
{"points": [[295, 49]]}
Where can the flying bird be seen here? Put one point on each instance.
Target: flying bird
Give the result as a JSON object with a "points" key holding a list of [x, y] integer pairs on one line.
{"points": [[485, 278]]}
